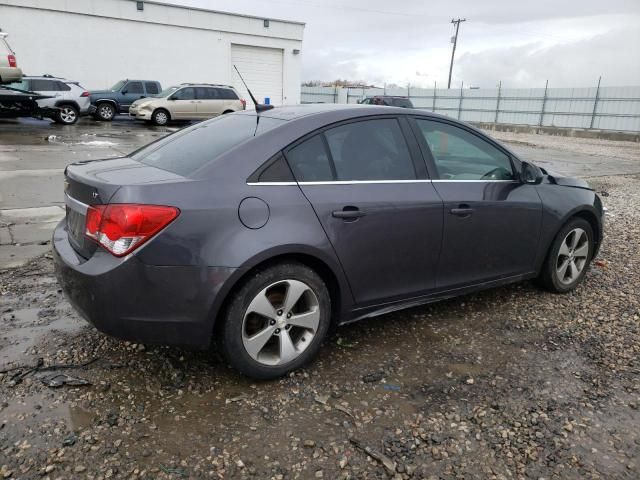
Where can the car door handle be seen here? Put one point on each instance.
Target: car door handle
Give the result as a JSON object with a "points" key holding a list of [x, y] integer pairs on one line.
{"points": [[348, 213], [461, 211]]}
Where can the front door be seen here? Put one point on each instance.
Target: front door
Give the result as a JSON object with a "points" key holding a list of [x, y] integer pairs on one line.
{"points": [[183, 104], [131, 92], [491, 220], [380, 213]]}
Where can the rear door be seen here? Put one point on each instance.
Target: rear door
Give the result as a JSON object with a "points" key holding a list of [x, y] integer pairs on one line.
{"points": [[382, 215], [491, 220], [209, 103], [47, 87]]}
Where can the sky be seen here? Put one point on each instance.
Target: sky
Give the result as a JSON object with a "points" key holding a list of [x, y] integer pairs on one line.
{"points": [[523, 44]]}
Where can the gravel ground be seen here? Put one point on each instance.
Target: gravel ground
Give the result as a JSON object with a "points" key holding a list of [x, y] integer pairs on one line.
{"points": [[588, 146], [509, 383]]}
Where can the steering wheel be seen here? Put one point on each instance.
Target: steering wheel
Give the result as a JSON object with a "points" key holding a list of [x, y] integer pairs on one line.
{"points": [[498, 173]]}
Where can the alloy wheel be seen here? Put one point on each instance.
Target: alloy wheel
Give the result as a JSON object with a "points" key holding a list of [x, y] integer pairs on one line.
{"points": [[68, 115], [105, 112], [572, 256], [280, 322]]}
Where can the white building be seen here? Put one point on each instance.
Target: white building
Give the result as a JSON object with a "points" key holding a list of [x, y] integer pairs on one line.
{"points": [[98, 42]]}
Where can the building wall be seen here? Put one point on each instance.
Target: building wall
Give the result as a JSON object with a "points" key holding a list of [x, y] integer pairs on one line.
{"points": [[98, 42]]}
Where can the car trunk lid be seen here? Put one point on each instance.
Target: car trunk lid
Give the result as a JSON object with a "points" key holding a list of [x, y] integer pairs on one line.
{"points": [[95, 183]]}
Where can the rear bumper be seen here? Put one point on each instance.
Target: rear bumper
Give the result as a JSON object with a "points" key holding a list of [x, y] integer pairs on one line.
{"points": [[130, 300]]}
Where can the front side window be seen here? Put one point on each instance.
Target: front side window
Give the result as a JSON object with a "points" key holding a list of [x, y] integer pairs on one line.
{"points": [[152, 88], [185, 94], [117, 86], [370, 150], [461, 155], [134, 87]]}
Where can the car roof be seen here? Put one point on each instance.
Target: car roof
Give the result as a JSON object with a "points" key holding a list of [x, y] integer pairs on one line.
{"points": [[292, 112], [47, 77]]}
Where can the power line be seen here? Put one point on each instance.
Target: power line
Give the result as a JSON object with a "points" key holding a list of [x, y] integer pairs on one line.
{"points": [[455, 42]]}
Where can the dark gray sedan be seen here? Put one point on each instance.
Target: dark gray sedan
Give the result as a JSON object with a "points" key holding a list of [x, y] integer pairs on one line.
{"points": [[260, 231]]}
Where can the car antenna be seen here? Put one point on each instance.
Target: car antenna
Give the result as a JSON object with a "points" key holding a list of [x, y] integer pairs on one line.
{"points": [[260, 107]]}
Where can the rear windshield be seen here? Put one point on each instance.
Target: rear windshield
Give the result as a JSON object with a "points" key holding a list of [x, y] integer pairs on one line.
{"points": [[187, 150], [401, 102]]}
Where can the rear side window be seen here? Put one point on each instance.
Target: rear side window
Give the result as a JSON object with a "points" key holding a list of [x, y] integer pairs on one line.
{"points": [[274, 170], [189, 149], [206, 93], [38, 85], [310, 162], [134, 87], [401, 102], [62, 87], [152, 88], [370, 150], [227, 94]]}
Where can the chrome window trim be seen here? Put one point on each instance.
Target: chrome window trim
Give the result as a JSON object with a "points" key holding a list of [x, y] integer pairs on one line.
{"points": [[279, 184], [75, 205], [476, 181], [360, 182]]}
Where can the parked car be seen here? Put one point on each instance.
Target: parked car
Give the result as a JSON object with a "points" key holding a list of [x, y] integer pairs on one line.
{"points": [[189, 101], [9, 70], [66, 101], [261, 231], [119, 98], [391, 101]]}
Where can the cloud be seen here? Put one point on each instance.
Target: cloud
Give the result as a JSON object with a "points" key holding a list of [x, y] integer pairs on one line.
{"points": [[613, 55]]}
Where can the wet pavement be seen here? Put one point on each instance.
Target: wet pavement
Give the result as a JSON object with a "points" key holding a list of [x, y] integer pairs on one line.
{"points": [[513, 382]]}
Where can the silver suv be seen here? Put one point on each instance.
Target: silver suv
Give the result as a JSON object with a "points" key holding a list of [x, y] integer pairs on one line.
{"points": [[68, 100], [188, 101]]}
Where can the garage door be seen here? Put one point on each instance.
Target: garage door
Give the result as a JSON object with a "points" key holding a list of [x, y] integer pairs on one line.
{"points": [[261, 68]]}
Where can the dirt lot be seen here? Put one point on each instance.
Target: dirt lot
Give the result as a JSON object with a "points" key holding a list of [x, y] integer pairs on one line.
{"points": [[509, 383]]}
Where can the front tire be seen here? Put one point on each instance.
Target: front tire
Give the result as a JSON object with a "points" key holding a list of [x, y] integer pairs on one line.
{"points": [[569, 257], [160, 117], [276, 322], [67, 115]]}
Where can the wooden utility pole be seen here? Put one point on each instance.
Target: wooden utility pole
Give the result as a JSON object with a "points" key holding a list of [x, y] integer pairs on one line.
{"points": [[455, 42]]}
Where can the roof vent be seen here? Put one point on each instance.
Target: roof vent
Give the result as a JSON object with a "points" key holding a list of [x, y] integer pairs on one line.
{"points": [[140, 6]]}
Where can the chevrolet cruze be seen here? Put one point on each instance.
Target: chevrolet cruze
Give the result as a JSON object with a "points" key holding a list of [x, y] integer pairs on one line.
{"points": [[259, 231]]}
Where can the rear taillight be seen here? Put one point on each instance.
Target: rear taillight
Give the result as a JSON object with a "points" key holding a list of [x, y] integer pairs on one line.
{"points": [[244, 103], [122, 227], [85, 94], [12, 61]]}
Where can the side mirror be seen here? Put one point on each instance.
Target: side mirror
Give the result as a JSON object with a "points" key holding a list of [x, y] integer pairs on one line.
{"points": [[124, 92], [171, 97], [531, 174]]}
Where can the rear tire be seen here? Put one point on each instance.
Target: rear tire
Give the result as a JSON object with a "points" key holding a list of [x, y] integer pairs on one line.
{"points": [[568, 258], [295, 314], [67, 115], [105, 111], [160, 117]]}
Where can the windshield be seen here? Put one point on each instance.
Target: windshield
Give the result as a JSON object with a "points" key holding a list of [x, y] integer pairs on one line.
{"points": [[187, 150], [118, 86], [165, 93]]}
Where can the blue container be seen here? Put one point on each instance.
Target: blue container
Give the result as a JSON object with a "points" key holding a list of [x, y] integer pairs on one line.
{"points": [[267, 101]]}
